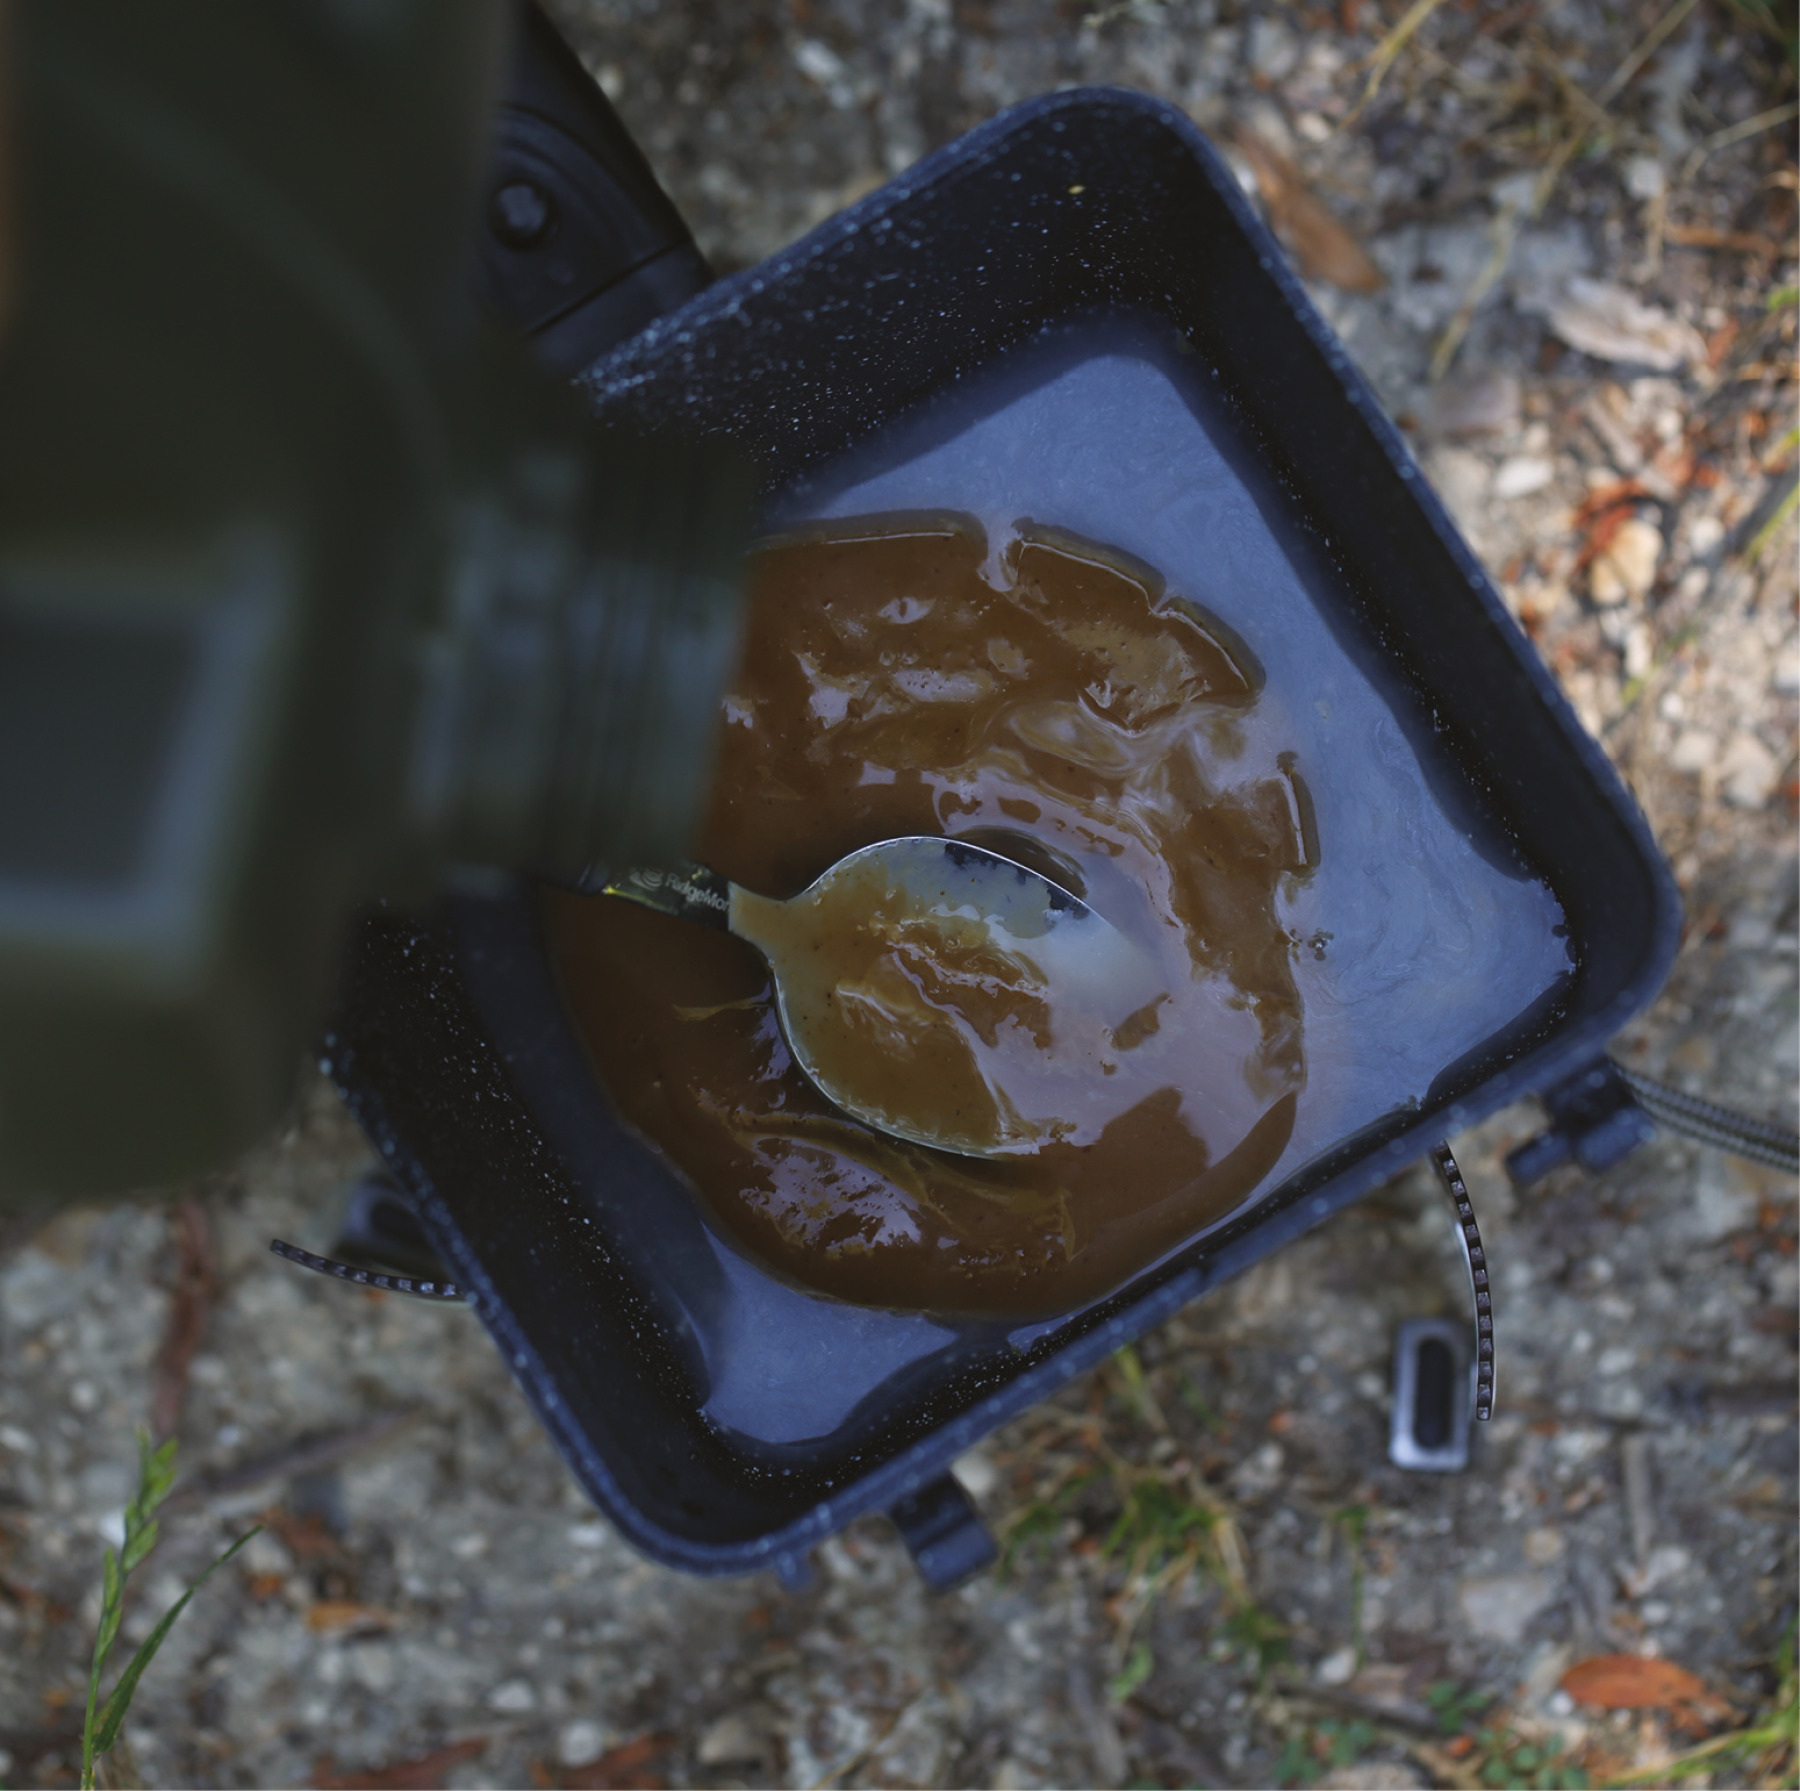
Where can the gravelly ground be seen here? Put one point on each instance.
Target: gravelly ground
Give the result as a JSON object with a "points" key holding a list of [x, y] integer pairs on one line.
{"points": [[431, 1588]]}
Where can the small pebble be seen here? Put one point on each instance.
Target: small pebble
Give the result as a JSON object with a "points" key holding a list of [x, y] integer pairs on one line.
{"points": [[977, 1473], [1715, 1209], [818, 61], [1535, 600], [1693, 751], [1502, 1608], [1462, 479], [1644, 177], [730, 1740], [513, 1697], [1626, 569], [1261, 1473], [1705, 533], [1544, 1545], [266, 1553], [1748, 771], [581, 1742], [1274, 49], [1667, 1561], [1522, 475]]}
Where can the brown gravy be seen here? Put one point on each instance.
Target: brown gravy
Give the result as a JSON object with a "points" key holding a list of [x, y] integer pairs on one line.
{"points": [[1053, 702]]}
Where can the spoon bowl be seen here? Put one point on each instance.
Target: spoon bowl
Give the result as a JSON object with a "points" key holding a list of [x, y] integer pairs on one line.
{"points": [[937, 990]]}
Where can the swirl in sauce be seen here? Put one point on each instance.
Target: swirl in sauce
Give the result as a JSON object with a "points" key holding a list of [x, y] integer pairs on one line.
{"points": [[1053, 702]]}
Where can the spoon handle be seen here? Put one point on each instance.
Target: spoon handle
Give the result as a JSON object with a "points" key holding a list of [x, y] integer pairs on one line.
{"points": [[685, 891]]}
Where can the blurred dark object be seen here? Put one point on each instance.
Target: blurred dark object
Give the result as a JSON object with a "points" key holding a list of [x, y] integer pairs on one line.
{"points": [[582, 246], [1594, 1121], [312, 586]]}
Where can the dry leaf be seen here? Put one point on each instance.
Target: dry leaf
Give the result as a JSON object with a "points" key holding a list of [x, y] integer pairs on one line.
{"points": [[1599, 517], [1611, 324], [305, 1536], [426, 1773], [1631, 1682], [1704, 236], [631, 1766], [1322, 246], [330, 1614]]}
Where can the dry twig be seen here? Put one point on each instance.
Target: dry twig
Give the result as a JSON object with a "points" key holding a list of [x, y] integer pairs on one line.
{"points": [[1737, 133], [191, 1302], [1387, 52]]}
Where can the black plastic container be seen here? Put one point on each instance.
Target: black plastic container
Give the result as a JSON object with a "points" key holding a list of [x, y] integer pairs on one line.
{"points": [[592, 1266]]}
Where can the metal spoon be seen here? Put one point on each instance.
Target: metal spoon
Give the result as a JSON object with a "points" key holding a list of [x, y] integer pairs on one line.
{"points": [[933, 988]]}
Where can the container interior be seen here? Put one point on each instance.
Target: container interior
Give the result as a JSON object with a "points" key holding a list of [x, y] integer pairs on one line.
{"points": [[1429, 934]]}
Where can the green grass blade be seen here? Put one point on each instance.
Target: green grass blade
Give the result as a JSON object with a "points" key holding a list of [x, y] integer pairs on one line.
{"points": [[158, 1473], [162, 1472], [139, 1545], [111, 1609], [109, 1630], [156, 1480], [1133, 1674], [120, 1701], [1771, 528]]}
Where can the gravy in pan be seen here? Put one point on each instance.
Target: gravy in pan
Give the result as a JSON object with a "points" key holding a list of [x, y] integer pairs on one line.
{"points": [[1051, 701]]}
